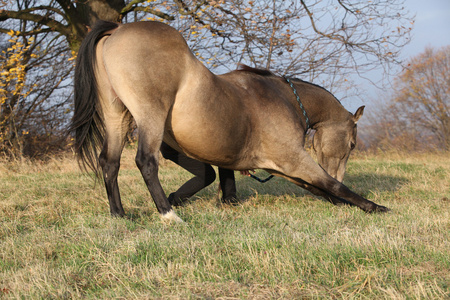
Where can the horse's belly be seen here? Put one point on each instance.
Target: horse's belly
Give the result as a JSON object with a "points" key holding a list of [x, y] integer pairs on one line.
{"points": [[208, 138]]}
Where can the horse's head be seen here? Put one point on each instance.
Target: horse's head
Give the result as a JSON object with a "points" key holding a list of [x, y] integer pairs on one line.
{"points": [[333, 143]]}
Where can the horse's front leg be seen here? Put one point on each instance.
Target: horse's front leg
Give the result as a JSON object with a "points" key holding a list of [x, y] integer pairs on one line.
{"points": [[147, 159], [308, 174], [317, 192]]}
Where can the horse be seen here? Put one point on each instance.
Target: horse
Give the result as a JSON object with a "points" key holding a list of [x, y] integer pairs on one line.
{"points": [[245, 119]]}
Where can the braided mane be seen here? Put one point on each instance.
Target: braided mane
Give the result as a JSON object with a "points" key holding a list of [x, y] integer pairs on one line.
{"points": [[265, 72]]}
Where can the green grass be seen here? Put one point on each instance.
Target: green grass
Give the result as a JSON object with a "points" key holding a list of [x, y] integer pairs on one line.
{"points": [[57, 239]]}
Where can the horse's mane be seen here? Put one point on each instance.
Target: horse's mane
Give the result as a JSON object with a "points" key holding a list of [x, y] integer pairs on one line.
{"points": [[316, 85], [265, 72], [262, 72]]}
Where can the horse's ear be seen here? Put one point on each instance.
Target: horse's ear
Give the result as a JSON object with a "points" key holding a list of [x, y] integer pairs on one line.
{"points": [[358, 114]]}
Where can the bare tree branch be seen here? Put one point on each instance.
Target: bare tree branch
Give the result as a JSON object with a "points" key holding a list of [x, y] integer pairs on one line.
{"points": [[42, 20]]}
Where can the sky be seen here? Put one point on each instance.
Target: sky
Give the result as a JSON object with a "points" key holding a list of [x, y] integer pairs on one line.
{"points": [[432, 26], [431, 29]]}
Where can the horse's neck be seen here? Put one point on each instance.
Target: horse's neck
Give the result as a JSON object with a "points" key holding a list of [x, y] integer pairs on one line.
{"points": [[320, 105]]}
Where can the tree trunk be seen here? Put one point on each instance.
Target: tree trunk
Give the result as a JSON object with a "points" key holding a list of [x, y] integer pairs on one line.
{"points": [[86, 13]]}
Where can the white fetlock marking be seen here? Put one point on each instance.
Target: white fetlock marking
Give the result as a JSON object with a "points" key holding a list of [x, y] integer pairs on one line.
{"points": [[172, 216]]}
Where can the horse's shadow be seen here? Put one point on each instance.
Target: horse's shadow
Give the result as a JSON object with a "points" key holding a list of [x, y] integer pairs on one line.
{"points": [[247, 189], [363, 184]]}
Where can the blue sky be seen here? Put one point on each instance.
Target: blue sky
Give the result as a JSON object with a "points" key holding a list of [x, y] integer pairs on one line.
{"points": [[431, 29], [432, 26]]}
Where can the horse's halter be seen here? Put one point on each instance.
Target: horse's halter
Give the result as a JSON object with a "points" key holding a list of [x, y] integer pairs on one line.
{"points": [[307, 125], [299, 102]]}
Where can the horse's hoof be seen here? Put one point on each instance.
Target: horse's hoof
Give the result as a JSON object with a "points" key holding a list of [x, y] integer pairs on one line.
{"points": [[117, 215], [233, 201], [380, 209], [172, 217]]}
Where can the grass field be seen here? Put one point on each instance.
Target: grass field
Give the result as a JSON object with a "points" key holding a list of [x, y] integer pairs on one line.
{"points": [[57, 240]]}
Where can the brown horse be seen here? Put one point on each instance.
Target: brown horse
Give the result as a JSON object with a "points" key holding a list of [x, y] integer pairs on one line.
{"points": [[247, 119]]}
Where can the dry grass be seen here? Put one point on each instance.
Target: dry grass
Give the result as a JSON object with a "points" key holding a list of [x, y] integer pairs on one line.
{"points": [[58, 241]]}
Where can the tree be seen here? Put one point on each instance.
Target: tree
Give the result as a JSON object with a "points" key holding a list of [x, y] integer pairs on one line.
{"points": [[13, 61], [418, 115], [33, 68], [322, 40], [423, 94]]}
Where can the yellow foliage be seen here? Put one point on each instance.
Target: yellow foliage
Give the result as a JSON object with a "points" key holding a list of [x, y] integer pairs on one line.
{"points": [[74, 55], [13, 63]]}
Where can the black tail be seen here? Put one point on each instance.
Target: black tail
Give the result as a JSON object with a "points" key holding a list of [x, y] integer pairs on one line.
{"points": [[87, 124]]}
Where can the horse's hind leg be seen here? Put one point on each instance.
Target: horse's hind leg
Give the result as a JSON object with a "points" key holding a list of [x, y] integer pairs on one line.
{"points": [[147, 160], [117, 126]]}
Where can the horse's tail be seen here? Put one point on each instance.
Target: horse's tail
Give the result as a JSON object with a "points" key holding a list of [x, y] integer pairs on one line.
{"points": [[87, 123]]}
